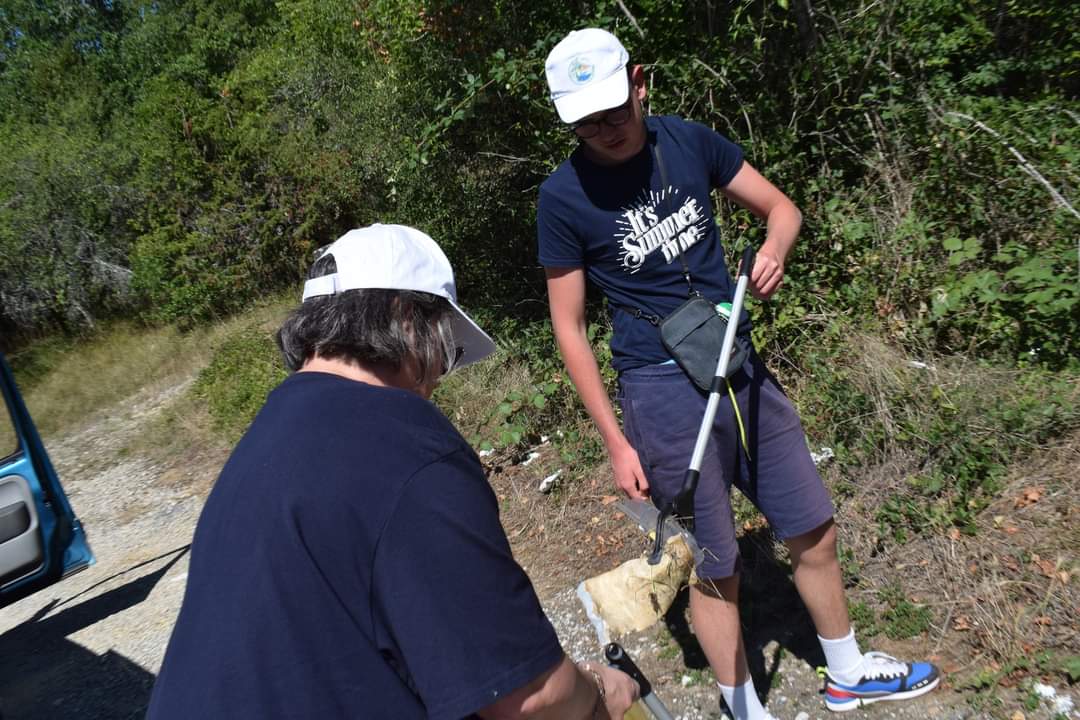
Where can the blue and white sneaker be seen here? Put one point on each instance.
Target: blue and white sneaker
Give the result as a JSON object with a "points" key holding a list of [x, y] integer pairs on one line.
{"points": [[883, 678]]}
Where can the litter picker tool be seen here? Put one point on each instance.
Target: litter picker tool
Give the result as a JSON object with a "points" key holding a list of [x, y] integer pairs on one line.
{"points": [[682, 505], [620, 660]]}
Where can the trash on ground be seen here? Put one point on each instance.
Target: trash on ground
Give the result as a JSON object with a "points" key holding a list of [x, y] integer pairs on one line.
{"points": [[826, 453], [549, 482], [635, 595]]}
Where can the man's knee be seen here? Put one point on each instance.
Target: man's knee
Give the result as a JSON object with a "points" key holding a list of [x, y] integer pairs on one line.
{"points": [[725, 588], [815, 547]]}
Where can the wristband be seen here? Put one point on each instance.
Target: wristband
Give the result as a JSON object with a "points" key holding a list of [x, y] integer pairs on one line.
{"points": [[601, 692]]}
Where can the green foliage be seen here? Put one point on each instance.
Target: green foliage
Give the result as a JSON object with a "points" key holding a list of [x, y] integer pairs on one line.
{"points": [[180, 159], [545, 406], [960, 424], [242, 371], [864, 619]]}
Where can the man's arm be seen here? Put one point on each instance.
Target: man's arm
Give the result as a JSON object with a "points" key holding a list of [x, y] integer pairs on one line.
{"points": [[567, 691], [783, 220], [566, 298]]}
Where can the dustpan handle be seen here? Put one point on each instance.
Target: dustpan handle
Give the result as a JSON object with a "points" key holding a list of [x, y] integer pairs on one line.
{"points": [[621, 660]]}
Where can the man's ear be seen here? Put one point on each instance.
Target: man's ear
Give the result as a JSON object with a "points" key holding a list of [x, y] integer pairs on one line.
{"points": [[637, 82]]}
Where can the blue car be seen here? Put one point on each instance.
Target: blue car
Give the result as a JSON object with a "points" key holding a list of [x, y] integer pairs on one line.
{"points": [[41, 540]]}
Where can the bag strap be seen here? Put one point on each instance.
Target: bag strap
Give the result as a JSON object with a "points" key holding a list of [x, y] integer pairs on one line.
{"points": [[667, 197], [638, 313]]}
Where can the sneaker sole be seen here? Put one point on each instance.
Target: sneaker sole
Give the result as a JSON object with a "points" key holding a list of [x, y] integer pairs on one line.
{"points": [[857, 703]]}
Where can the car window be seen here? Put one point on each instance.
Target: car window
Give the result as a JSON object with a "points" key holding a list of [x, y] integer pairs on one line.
{"points": [[9, 441]]}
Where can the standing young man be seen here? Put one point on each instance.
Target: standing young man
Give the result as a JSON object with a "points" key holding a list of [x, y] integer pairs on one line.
{"points": [[631, 199]]}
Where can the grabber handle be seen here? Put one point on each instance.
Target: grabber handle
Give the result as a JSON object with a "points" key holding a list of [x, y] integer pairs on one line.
{"points": [[620, 660], [746, 263]]}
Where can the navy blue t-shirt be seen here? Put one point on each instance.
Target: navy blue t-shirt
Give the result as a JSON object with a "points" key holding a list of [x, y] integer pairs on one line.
{"points": [[349, 563], [624, 227]]}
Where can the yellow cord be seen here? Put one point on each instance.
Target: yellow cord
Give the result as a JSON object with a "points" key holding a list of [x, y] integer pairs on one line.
{"points": [[738, 418]]}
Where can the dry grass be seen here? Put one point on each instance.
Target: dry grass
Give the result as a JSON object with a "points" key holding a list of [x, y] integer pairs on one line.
{"points": [[124, 360]]}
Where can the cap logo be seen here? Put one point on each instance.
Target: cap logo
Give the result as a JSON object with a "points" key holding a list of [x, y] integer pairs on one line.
{"points": [[581, 70]]}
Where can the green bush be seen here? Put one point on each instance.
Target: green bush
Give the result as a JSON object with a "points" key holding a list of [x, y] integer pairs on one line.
{"points": [[242, 372]]}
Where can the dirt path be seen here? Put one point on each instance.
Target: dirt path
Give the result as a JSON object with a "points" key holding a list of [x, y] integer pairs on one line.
{"points": [[90, 646]]}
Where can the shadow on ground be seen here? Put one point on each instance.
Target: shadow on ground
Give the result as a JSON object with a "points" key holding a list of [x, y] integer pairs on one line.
{"points": [[46, 676], [770, 609]]}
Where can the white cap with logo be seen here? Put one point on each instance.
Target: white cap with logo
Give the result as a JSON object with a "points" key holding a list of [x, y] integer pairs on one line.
{"points": [[586, 73], [398, 257]]}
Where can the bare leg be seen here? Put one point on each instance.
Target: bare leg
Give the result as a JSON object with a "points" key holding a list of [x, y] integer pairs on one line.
{"points": [[714, 611], [819, 580]]}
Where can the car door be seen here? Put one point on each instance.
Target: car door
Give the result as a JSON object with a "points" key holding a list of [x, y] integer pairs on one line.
{"points": [[41, 540]]}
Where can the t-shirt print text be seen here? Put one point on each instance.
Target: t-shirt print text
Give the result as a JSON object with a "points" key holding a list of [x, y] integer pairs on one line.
{"points": [[642, 231]]}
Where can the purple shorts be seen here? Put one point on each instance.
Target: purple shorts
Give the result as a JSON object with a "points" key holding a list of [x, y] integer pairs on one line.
{"points": [[662, 413]]}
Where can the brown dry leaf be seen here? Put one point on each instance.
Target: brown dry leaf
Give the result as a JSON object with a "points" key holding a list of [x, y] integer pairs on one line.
{"points": [[973, 568], [1063, 577], [961, 622], [1017, 716], [1010, 562], [608, 499], [1030, 496], [1043, 620], [1012, 530], [1047, 568], [954, 534]]}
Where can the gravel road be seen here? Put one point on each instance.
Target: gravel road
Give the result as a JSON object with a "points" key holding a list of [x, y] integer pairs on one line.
{"points": [[90, 646]]}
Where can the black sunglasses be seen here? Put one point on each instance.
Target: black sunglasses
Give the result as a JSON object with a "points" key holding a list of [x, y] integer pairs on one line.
{"points": [[612, 118]]}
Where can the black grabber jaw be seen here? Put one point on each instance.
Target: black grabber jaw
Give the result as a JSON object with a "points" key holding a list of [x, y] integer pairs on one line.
{"points": [[681, 508]]}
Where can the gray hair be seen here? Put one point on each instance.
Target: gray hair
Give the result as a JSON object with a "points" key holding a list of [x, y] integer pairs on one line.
{"points": [[371, 327]]}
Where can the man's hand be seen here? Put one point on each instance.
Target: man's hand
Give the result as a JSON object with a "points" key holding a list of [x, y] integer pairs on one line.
{"points": [[620, 690], [767, 274], [629, 475]]}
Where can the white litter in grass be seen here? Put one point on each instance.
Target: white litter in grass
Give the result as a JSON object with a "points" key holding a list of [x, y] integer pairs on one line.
{"points": [[549, 482], [919, 365], [532, 456], [826, 453], [544, 439], [686, 680], [485, 453], [1044, 691], [1063, 706], [802, 716]]}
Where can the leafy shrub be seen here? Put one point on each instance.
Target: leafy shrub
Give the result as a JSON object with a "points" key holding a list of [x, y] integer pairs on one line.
{"points": [[242, 372]]}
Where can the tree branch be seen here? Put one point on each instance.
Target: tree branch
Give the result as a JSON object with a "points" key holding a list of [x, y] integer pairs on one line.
{"points": [[631, 18]]}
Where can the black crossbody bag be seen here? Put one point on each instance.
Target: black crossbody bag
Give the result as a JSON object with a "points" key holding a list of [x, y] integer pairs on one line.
{"points": [[693, 333]]}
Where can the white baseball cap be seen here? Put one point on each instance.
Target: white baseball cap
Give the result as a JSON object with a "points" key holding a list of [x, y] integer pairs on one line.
{"points": [[586, 73], [397, 257]]}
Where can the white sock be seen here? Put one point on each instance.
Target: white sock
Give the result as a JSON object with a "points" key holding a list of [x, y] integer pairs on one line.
{"points": [[743, 701], [843, 658]]}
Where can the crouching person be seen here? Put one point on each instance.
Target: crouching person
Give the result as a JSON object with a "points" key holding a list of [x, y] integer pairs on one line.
{"points": [[349, 562]]}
